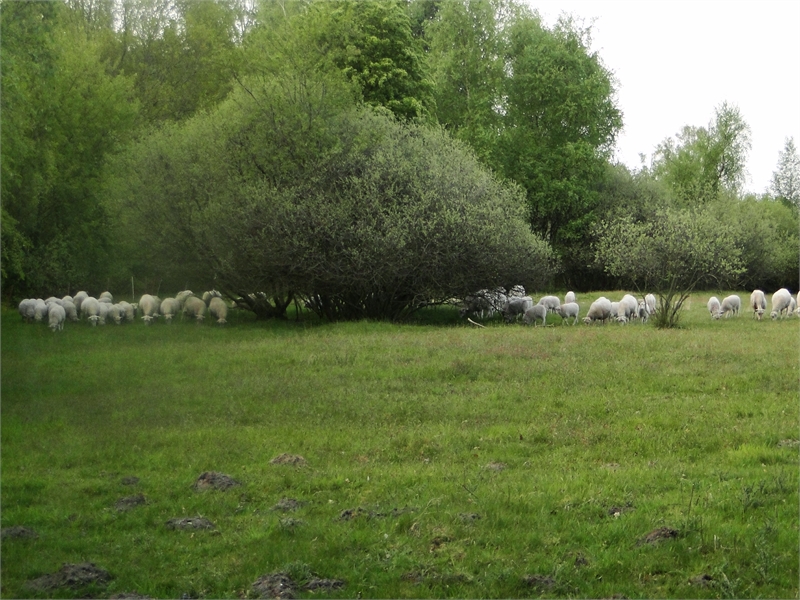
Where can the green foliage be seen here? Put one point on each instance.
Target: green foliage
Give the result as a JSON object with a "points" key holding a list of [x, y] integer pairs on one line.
{"points": [[786, 178], [671, 255]]}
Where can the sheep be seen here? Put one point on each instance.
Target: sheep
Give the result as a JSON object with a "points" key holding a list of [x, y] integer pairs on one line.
{"points": [[182, 296], [534, 314], [628, 307], [218, 309], [551, 303], [780, 302], [68, 298], [600, 310], [105, 310], [516, 306], [39, 310], [91, 308], [797, 310], [207, 296], [128, 311], [56, 316], [650, 303], [567, 310], [78, 299], [70, 310], [169, 308], [497, 300], [792, 307], [614, 310], [570, 297], [758, 302], [27, 309], [714, 307], [516, 292], [642, 312], [106, 297], [194, 306], [730, 306], [476, 305], [149, 308], [53, 300], [116, 313]]}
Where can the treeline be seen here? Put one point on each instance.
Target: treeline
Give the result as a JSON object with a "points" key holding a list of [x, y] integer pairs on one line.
{"points": [[367, 156]]}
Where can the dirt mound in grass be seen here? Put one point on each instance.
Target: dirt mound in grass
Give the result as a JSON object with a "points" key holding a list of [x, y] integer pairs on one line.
{"points": [[702, 580], [131, 480], [129, 502], [190, 523], [129, 596], [655, 536], [322, 585], [352, 513], [289, 459], [288, 505], [281, 585], [542, 583], [211, 480], [496, 466], [73, 577], [19, 532]]}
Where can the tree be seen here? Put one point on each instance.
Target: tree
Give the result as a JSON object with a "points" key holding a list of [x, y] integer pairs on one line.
{"points": [[786, 178], [670, 255], [705, 161]]}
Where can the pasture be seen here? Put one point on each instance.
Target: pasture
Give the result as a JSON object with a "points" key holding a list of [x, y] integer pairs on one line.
{"points": [[438, 459]]}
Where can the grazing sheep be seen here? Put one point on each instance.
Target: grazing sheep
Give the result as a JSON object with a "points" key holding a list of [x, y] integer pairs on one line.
{"points": [[116, 313], [797, 310], [642, 312], [758, 302], [68, 298], [570, 297], [105, 310], [149, 308], [730, 306], [128, 311], [72, 312], [614, 310], [600, 310], [91, 308], [476, 305], [195, 307], [53, 300], [207, 296], [182, 296], [497, 300], [534, 314], [792, 307], [218, 310], [27, 309], [516, 306], [650, 303], [780, 302], [39, 310], [567, 310], [551, 303], [714, 307], [169, 308], [56, 316], [78, 300], [628, 307], [106, 297]]}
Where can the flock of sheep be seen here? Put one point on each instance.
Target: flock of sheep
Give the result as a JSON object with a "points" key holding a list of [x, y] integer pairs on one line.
{"points": [[103, 309], [514, 303], [783, 305]]}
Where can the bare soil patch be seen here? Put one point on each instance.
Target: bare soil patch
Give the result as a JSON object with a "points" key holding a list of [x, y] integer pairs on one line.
{"points": [[541, 583], [352, 513], [702, 580], [496, 466], [130, 480], [70, 576], [281, 585], [190, 523], [129, 502], [289, 459], [211, 480], [288, 505], [469, 517], [18, 532], [655, 536]]}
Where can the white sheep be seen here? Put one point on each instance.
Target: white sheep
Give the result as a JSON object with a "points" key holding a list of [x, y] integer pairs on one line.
{"points": [[758, 302], [128, 311], [614, 310], [91, 308], [714, 307], [569, 297], [642, 312], [628, 307], [534, 314], [650, 303], [195, 307], [600, 310], [551, 303], [149, 308], [56, 316], [68, 298], [207, 296], [78, 300], [106, 297], [797, 310], [730, 306], [476, 305], [780, 302], [116, 313], [515, 306], [27, 309], [72, 312], [218, 310], [792, 307], [182, 296], [567, 310], [39, 310], [53, 300], [105, 311], [169, 308]]}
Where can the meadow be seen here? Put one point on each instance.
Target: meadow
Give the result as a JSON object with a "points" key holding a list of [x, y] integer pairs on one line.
{"points": [[438, 459]]}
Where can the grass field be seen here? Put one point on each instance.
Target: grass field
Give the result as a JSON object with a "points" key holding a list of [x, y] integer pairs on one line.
{"points": [[442, 460]]}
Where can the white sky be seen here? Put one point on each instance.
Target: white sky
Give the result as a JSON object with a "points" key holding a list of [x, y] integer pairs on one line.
{"points": [[676, 61]]}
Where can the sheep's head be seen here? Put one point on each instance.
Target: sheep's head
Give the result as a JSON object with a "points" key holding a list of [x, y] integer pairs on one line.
{"points": [[94, 319], [221, 321], [147, 319], [587, 320], [774, 314]]}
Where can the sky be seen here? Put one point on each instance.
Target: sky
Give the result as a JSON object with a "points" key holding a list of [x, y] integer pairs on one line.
{"points": [[675, 61]]}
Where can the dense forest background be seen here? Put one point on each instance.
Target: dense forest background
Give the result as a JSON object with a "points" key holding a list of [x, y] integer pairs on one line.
{"points": [[368, 156]]}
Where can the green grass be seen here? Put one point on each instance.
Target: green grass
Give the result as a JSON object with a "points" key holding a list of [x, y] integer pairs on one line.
{"points": [[684, 428]]}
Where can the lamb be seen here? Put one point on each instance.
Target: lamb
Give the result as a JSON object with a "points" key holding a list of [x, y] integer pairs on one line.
{"points": [[26, 309], [218, 309], [78, 300], [70, 310], [758, 302], [780, 302], [600, 310], [534, 314], [650, 303], [56, 316], [91, 308], [567, 310], [39, 310], [516, 306], [714, 307], [169, 308], [194, 306], [149, 308], [570, 297], [730, 306], [551, 303]]}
